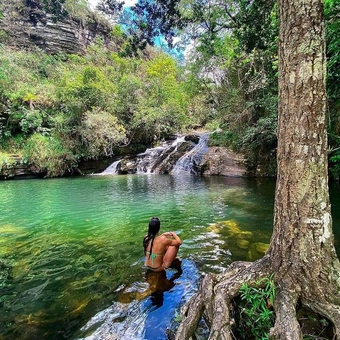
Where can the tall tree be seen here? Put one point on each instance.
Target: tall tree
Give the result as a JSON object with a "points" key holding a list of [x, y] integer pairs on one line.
{"points": [[301, 254]]}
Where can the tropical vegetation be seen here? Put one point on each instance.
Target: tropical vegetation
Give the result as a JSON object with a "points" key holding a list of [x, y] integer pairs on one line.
{"points": [[58, 110]]}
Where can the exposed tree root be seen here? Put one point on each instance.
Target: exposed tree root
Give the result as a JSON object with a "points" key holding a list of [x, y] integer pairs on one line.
{"points": [[213, 299], [194, 308], [329, 310], [286, 324], [213, 303]]}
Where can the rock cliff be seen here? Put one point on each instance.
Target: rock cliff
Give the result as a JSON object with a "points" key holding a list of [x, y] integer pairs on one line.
{"points": [[25, 24]]}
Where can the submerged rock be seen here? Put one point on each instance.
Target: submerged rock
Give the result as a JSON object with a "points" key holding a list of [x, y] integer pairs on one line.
{"points": [[257, 250], [234, 230], [243, 244]]}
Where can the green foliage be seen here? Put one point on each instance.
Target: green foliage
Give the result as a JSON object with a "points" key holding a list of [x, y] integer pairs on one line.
{"points": [[258, 25], [162, 108], [3, 36], [232, 74], [117, 32], [129, 92], [335, 165], [32, 121], [223, 138], [56, 8], [256, 315], [5, 161], [77, 9], [332, 13], [91, 104], [83, 87], [100, 133], [66, 108], [236, 69], [261, 135], [48, 154]]}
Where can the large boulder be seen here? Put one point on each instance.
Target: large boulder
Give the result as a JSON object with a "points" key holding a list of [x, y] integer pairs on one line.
{"points": [[219, 161]]}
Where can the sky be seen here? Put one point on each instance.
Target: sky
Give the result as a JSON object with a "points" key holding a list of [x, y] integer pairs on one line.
{"points": [[159, 41], [92, 3]]}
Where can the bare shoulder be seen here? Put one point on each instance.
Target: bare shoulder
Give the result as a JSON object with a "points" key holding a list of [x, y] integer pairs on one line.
{"points": [[164, 239]]}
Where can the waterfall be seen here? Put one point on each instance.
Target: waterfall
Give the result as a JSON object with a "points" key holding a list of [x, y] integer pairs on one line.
{"points": [[190, 162], [158, 160], [182, 155], [111, 169]]}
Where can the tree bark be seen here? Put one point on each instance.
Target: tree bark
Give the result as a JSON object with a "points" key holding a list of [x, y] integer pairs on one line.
{"points": [[301, 256], [302, 247]]}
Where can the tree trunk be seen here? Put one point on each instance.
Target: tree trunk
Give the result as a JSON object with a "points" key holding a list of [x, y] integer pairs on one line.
{"points": [[302, 246], [301, 256]]}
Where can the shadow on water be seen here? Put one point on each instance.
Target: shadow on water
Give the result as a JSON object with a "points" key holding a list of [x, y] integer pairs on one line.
{"points": [[71, 253], [145, 310]]}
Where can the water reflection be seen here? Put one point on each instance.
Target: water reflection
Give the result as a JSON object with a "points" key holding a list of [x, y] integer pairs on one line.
{"points": [[70, 248], [156, 283], [145, 309]]}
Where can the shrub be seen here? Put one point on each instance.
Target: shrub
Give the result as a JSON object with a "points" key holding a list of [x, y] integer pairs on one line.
{"points": [[5, 161], [48, 154], [100, 133], [256, 315]]}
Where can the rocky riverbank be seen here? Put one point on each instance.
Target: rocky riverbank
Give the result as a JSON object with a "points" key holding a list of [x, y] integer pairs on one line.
{"points": [[184, 154]]}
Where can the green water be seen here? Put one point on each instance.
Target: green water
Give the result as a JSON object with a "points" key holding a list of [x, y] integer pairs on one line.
{"points": [[69, 246]]}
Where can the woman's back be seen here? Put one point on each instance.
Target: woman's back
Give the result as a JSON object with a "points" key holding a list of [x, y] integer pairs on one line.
{"points": [[161, 250]]}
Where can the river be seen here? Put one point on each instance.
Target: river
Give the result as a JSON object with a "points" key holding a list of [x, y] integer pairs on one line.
{"points": [[71, 249]]}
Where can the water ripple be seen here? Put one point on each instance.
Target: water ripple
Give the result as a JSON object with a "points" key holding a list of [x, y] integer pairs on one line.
{"points": [[71, 244]]}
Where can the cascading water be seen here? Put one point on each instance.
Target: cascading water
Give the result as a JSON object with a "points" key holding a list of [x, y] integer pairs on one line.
{"points": [[182, 155], [191, 161], [158, 160], [111, 169]]}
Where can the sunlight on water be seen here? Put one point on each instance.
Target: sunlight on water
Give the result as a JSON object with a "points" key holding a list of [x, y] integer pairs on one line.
{"points": [[70, 248]]}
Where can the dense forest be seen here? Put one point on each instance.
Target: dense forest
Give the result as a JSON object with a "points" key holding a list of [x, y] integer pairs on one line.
{"points": [[57, 110]]}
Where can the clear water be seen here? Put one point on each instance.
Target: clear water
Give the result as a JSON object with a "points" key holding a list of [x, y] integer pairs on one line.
{"points": [[70, 248]]}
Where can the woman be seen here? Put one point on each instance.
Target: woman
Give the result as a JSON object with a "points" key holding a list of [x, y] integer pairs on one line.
{"points": [[160, 251]]}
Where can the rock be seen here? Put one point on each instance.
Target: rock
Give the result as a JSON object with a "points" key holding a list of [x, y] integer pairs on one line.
{"points": [[261, 247], [214, 228], [192, 138], [30, 26], [257, 250], [140, 312], [128, 166], [172, 157], [158, 160], [222, 162], [234, 230], [15, 168], [243, 244]]}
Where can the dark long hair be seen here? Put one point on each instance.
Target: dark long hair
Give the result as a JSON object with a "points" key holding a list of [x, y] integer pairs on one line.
{"points": [[154, 226]]}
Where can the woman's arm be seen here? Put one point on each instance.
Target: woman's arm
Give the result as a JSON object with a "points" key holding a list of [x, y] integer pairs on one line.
{"points": [[172, 239]]}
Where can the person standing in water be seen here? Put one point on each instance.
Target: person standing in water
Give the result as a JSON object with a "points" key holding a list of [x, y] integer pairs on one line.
{"points": [[160, 250]]}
